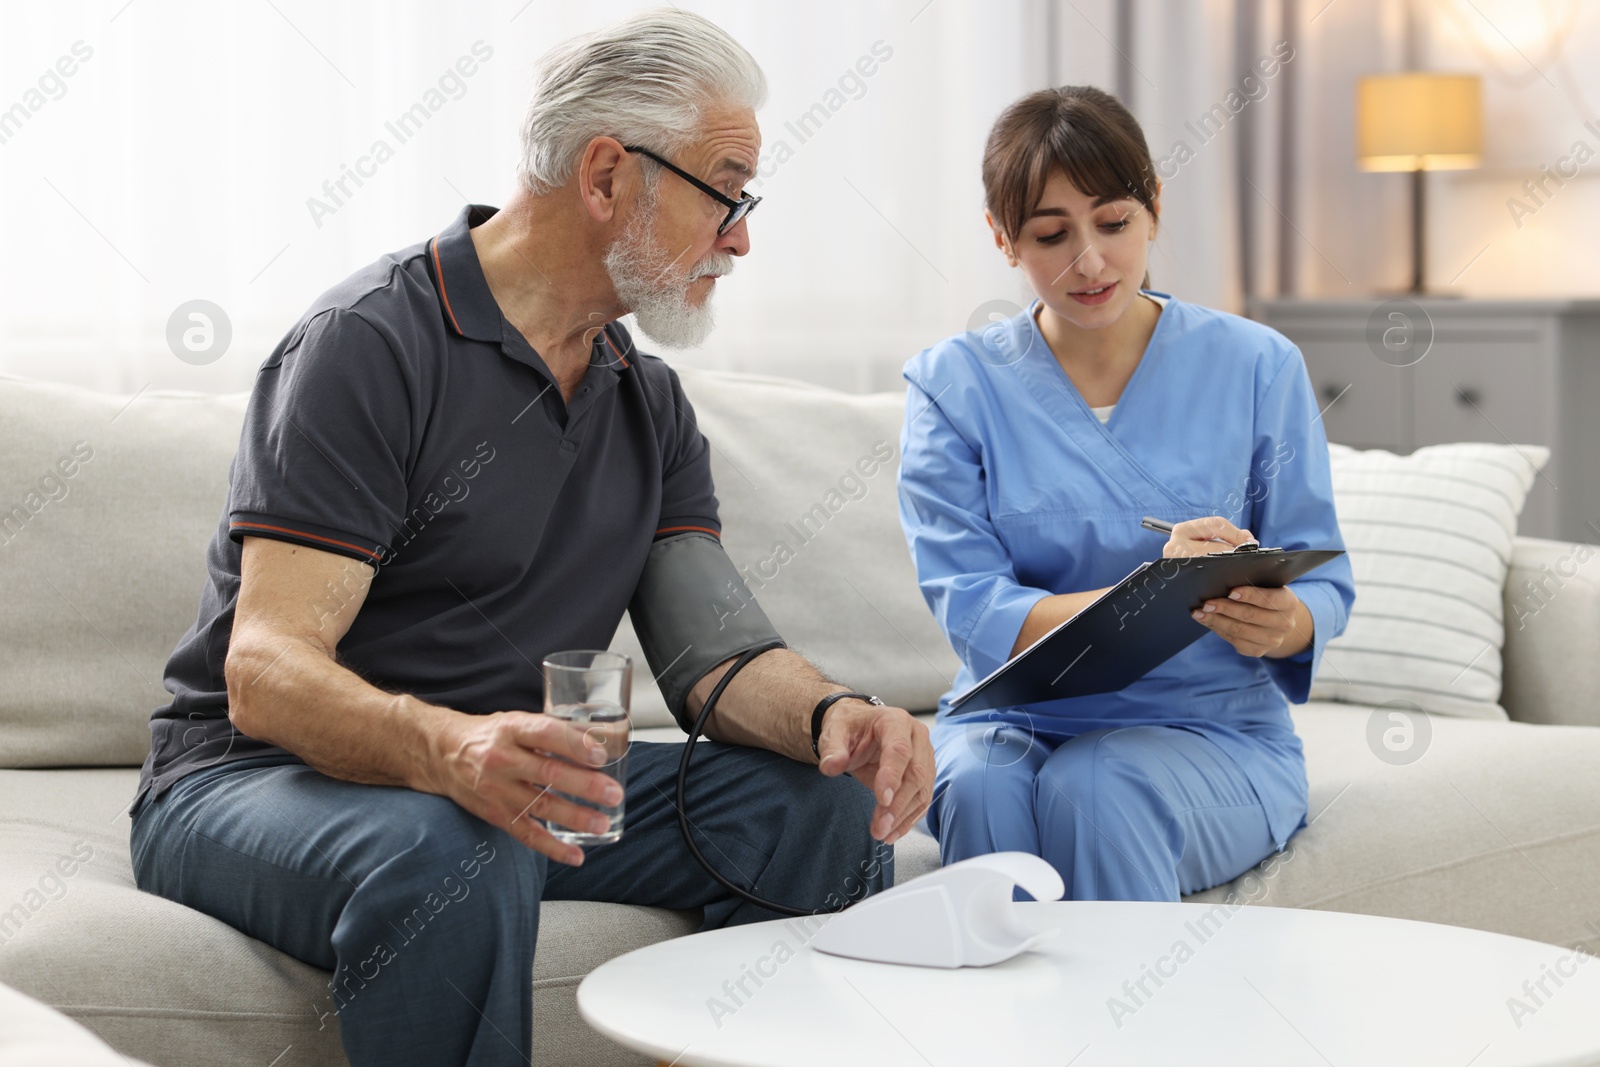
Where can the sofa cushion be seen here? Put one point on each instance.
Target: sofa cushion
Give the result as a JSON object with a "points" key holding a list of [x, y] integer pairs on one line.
{"points": [[168, 984], [1431, 537], [1492, 825], [806, 481], [102, 567]]}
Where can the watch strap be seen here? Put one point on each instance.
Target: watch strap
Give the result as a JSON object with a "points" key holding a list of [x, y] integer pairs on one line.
{"points": [[822, 708]]}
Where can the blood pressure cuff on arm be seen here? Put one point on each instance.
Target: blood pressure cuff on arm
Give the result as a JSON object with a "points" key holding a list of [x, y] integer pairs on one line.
{"points": [[692, 611]]}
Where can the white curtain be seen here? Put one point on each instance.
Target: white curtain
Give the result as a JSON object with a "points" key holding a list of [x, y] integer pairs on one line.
{"points": [[189, 153]]}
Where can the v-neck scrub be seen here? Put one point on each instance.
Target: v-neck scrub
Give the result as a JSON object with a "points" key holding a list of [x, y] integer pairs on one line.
{"points": [[1012, 489]]}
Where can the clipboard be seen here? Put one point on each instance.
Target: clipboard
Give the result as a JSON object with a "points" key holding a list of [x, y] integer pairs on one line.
{"points": [[1133, 627]]}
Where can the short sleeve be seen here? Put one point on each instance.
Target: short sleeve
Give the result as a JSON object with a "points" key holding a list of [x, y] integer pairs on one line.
{"points": [[688, 496], [323, 454]]}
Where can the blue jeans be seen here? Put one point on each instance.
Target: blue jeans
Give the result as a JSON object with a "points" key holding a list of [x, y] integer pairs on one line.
{"points": [[1136, 813], [428, 916]]}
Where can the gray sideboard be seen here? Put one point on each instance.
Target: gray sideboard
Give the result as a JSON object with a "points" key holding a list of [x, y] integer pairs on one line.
{"points": [[1398, 373]]}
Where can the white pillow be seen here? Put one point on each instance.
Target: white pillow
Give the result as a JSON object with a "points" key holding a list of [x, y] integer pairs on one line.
{"points": [[1430, 538]]}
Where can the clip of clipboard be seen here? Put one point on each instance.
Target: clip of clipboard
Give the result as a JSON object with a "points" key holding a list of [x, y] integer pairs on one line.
{"points": [[1133, 627]]}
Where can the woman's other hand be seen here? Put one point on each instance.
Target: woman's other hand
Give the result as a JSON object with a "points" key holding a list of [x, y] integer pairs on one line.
{"points": [[1259, 622]]}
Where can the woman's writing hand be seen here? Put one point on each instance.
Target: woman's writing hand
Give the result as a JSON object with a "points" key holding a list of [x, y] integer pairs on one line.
{"points": [[1195, 537]]}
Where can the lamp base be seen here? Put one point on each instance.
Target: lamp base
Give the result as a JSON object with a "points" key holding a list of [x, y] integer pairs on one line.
{"points": [[1419, 202]]}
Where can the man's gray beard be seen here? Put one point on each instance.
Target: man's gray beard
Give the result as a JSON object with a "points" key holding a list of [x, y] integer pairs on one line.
{"points": [[651, 286]]}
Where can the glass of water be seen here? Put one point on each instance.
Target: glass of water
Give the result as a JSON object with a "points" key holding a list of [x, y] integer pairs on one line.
{"points": [[593, 688]]}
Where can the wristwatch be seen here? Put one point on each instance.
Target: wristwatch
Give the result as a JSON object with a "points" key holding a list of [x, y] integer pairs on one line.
{"points": [[822, 707]]}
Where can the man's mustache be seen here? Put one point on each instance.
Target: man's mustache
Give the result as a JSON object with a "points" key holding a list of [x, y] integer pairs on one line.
{"points": [[715, 265]]}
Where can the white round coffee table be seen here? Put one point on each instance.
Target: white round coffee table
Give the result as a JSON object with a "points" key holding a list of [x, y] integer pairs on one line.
{"points": [[1118, 983]]}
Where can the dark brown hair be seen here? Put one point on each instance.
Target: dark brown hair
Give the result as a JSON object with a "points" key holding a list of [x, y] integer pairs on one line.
{"points": [[1083, 131]]}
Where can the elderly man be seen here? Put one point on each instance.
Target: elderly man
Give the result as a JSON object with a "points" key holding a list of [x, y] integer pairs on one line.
{"points": [[454, 464]]}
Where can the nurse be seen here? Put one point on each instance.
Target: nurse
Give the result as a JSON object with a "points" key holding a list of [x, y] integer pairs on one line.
{"points": [[1032, 449]]}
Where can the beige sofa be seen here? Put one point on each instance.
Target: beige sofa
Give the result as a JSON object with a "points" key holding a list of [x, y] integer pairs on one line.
{"points": [[1497, 827]]}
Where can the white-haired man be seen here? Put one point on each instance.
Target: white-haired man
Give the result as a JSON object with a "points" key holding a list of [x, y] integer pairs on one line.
{"points": [[452, 465]]}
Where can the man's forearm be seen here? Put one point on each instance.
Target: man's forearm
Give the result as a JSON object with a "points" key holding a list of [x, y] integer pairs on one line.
{"points": [[767, 705], [291, 694]]}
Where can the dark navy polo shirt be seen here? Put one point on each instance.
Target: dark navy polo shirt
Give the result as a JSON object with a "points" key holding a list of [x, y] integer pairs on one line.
{"points": [[405, 423]]}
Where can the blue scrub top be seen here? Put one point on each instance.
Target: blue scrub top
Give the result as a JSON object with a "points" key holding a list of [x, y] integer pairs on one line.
{"points": [[1012, 490]]}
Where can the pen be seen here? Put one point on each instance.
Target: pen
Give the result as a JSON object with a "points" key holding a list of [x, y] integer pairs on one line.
{"points": [[1150, 523]]}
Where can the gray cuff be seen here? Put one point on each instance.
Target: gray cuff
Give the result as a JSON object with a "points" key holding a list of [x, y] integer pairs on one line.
{"points": [[692, 611]]}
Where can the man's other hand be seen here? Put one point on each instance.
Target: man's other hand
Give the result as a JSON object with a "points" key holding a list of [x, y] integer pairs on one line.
{"points": [[889, 752]]}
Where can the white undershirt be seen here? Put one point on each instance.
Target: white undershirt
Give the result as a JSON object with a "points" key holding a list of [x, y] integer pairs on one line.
{"points": [[1104, 414]]}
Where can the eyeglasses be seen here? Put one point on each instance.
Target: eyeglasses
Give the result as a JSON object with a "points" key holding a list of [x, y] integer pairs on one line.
{"points": [[737, 209]]}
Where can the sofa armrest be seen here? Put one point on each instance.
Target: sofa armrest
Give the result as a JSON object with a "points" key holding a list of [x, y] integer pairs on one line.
{"points": [[1552, 651]]}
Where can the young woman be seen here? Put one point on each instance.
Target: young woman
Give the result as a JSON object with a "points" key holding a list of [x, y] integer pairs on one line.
{"points": [[1032, 450]]}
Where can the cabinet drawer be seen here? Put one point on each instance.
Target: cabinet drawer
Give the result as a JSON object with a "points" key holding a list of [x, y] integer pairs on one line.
{"points": [[1364, 400], [1487, 385]]}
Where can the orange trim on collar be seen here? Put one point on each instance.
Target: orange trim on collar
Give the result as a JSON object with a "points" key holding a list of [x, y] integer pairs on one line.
{"points": [[613, 348], [438, 272]]}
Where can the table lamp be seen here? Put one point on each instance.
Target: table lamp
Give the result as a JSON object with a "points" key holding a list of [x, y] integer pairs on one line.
{"points": [[1419, 122]]}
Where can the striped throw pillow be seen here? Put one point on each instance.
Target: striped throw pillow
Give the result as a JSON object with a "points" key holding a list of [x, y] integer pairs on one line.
{"points": [[1430, 538]]}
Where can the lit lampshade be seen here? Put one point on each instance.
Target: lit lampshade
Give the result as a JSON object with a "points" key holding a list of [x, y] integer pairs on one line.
{"points": [[1419, 121]]}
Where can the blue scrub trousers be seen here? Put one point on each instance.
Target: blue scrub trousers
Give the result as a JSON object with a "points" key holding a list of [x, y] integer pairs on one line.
{"points": [[428, 916], [1132, 813]]}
